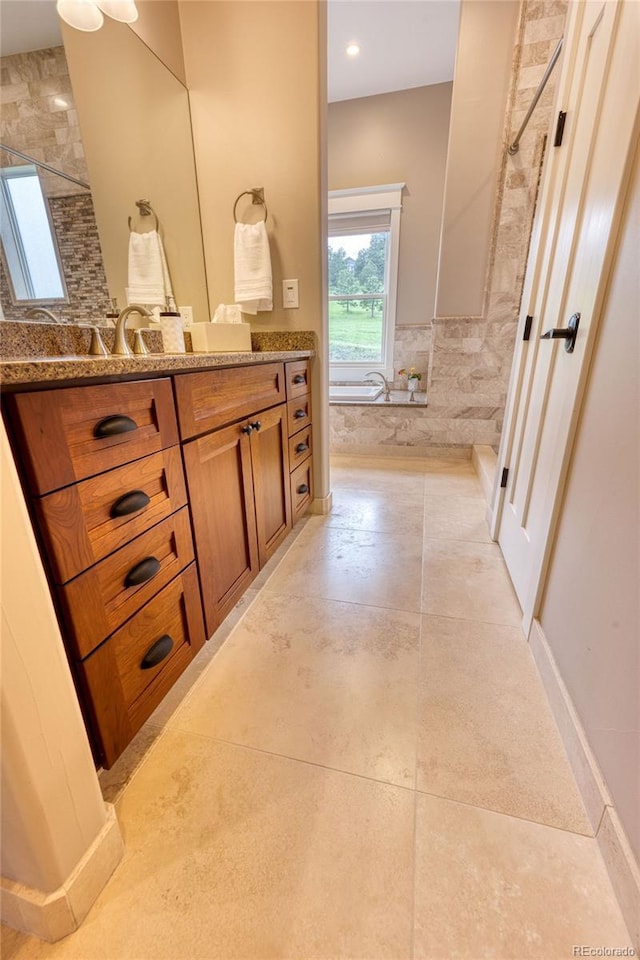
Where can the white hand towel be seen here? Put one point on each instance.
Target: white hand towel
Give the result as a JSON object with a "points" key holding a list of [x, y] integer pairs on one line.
{"points": [[252, 267], [149, 280]]}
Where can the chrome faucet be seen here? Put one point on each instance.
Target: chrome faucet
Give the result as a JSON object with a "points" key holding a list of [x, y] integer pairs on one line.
{"points": [[34, 312], [120, 346], [385, 382]]}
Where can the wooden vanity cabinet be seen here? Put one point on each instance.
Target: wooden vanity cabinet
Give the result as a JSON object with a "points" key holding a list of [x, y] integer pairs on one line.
{"points": [[300, 436], [122, 511], [239, 488], [104, 470]]}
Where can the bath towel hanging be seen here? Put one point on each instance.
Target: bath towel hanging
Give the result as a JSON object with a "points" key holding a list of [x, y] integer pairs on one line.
{"points": [[149, 278], [253, 288]]}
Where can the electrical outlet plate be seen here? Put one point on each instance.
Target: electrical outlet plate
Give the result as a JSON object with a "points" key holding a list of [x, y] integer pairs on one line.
{"points": [[290, 294], [187, 316]]}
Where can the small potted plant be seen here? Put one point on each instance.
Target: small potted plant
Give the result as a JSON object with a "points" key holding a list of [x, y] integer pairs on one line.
{"points": [[413, 378]]}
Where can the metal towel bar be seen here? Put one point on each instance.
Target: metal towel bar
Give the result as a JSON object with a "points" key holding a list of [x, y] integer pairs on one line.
{"points": [[515, 146]]}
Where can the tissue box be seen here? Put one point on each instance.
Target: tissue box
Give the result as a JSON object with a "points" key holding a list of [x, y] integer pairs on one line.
{"points": [[221, 337]]}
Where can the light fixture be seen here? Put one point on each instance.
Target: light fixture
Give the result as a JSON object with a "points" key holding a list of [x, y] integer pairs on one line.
{"points": [[353, 49], [87, 14], [123, 10], [81, 14]]}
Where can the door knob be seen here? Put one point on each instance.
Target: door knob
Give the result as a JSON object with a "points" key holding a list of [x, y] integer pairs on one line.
{"points": [[568, 333]]}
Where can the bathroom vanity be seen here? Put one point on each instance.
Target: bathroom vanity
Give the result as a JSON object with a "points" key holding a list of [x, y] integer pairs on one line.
{"points": [[158, 487]]}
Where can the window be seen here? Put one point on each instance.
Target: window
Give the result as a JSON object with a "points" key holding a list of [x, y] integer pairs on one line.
{"points": [[27, 237], [364, 236]]}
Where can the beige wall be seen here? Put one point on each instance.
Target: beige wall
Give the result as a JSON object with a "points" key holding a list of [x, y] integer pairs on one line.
{"points": [[158, 25], [135, 124], [486, 38], [255, 98], [258, 92], [590, 613], [393, 138]]}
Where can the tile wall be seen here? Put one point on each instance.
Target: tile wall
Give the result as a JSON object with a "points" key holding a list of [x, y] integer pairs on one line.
{"points": [[39, 118], [467, 360]]}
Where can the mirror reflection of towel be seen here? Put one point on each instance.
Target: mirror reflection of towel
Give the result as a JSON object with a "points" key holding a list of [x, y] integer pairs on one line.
{"points": [[252, 267], [149, 280]]}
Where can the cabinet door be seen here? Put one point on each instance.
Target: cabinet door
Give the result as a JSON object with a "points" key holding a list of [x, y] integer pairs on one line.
{"points": [[270, 461], [218, 469]]}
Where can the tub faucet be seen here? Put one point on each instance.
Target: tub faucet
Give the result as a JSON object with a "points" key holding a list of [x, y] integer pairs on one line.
{"points": [[120, 346], [385, 382], [34, 312]]}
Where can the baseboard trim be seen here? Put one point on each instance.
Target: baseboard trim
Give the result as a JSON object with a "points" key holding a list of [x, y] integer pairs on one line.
{"points": [[52, 916], [321, 505], [616, 852], [485, 461]]}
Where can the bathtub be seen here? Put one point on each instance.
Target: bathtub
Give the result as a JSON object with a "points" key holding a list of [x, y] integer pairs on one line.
{"points": [[354, 392]]}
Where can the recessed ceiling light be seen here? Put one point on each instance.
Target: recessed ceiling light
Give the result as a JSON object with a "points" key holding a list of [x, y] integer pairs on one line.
{"points": [[353, 49]]}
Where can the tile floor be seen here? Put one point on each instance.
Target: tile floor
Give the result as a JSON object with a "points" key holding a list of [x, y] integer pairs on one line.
{"points": [[366, 769]]}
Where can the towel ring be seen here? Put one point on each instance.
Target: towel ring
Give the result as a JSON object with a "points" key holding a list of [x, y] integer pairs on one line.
{"points": [[258, 197], [146, 210]]}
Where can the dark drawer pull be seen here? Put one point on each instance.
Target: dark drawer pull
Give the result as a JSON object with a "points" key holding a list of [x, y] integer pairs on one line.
{"points": [[112, 426], [302, 447], [299, 378], [303, 488], [157, 652], [142, 572], [129, 503], [299, 414]]}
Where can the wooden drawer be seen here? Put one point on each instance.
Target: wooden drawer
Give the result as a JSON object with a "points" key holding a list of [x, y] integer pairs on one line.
{"points": [[100, 600], [301, 488], [210, 400], [298, 414], [297, 375], [57, 429], [122, 694], [300, 445], [77, 522]]}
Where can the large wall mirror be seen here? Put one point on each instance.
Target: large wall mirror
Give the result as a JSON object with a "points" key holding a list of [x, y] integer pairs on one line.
{"points": [[105, 110]]}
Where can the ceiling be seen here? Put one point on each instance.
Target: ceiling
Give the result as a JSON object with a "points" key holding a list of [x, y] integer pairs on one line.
{"points": [[404, 43], [28, 25]]}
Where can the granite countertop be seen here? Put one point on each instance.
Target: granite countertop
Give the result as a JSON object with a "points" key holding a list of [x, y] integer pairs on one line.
{"points": [[33, 353], [17, 371]]}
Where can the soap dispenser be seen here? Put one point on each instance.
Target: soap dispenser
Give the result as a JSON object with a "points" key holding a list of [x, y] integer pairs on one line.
{"points": [[171, 327]]}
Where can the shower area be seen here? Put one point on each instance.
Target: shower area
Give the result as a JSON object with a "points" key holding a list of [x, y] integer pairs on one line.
{"points": [[465, 226]]}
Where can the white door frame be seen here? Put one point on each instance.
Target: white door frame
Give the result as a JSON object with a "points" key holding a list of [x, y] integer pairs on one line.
{"points": [[621, 80]]}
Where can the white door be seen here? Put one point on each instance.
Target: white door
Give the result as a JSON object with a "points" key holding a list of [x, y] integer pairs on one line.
{"points": [[566, 275]]}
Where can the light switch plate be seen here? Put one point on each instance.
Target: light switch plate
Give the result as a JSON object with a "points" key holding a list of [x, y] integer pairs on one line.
{"points": [[290, 294]]}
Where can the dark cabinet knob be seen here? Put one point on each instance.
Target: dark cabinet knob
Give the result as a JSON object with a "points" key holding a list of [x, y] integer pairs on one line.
{"points": [[302, 447], [299, 414], [113, 426], [142, 572], [299, 378], [248, 428], [256, 425], [157, 652], [129, 503], [303, 488]]}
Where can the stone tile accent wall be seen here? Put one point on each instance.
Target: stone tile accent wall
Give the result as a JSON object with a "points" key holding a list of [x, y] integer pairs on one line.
{"points": [[39, 118], [469, 358]]}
